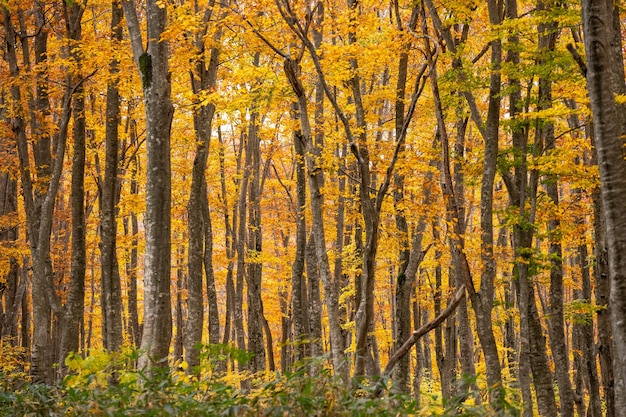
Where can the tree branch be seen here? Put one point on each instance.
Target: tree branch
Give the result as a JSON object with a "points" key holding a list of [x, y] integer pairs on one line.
{"points": [[419, 333]]}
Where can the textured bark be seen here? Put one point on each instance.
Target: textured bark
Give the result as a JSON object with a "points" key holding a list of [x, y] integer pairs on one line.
{"points": [[131, 266], [154, 69], [203, 80], [179, 336], [111, 300], [211, 292], [597, 23], [542, 376], [519, 194], [411, 253], [39, 192], [602, 291], [75, 305], [241, 240], [370, 207], [465, 335], [584, 341], [299, 302], [441, 353], [314, 298], [254, 247]]}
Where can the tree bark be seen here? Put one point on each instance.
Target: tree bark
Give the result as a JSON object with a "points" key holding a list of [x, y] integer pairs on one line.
{"points": [[154, 68], [111, 300], [299, 299], [597, 21], [203, 81], [75, 304]]}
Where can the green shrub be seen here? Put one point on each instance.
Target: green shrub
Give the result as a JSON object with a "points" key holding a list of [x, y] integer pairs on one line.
{"points": [[105, 384]]}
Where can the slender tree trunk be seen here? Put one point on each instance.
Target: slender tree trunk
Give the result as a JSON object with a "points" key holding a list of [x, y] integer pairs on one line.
{"points": [[75, 305], [481, 301], [200, 252], [548, 34], [111, 301], [254, 247], [315, 178], [39, 194], [299, 299], [12, 290], [179, 313]]}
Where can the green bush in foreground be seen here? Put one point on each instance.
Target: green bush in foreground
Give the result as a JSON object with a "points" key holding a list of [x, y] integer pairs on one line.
{"points": [[107, 385]]}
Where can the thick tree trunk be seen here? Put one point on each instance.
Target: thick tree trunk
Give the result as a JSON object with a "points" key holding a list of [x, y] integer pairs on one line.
{"points": [[602, 291], [154, 68], [597, 21]]}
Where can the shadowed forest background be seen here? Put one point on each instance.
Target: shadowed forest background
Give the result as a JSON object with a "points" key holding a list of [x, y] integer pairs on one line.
{"points": [[416, 202]]}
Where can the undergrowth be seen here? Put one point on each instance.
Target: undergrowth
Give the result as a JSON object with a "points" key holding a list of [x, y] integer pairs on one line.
{"points": [[108, 385]]}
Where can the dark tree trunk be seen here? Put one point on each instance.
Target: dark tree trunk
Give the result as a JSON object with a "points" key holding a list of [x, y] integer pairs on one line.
{"points": [[12, 289], [200, 252], [299, 298], [482, 300], [111, 300], [254, 247], [548, 34], [75, 305]]}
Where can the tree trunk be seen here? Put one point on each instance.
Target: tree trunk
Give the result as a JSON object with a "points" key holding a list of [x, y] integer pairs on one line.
{"points": [[548, 33], [111, 301], [299, 299], [313, 152], [597, 21], [200, 252], [254, 241], [75, 305], [154, 68], [12, 288], [39, 192], [481, 301]]}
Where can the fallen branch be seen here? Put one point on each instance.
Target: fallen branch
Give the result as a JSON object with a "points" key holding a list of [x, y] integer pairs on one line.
{"points": [[418, 334]]}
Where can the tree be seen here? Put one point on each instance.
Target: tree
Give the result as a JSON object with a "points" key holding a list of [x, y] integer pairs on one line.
{"points": [[152, 64], [597, 24]]}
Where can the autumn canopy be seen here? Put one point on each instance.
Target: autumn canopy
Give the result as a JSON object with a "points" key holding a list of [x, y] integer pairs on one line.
{"points": [[426, 197]]}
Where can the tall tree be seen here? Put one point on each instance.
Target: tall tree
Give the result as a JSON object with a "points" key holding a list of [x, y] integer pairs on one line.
{"points": [[203, 81], [597, 24], [482, 300], [74, 308], [153, 65], [110, 276]]}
